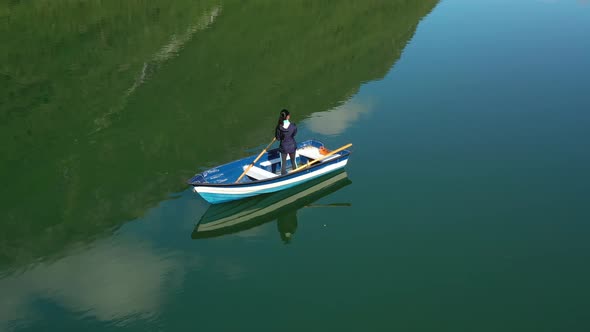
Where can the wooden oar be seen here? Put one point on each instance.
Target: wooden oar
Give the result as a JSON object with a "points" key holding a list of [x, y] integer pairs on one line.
{"points": [[255, 160], [323, 157]]}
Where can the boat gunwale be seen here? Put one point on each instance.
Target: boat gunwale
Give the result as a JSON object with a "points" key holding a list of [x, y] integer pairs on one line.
{"points": [[344, 155]]}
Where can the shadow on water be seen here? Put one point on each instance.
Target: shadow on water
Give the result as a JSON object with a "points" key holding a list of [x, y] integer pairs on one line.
{"points": [[106, 108], [237, 216]]}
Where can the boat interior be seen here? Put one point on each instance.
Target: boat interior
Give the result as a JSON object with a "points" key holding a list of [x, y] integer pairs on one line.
{"points": [[271, 165], [267, 167]]}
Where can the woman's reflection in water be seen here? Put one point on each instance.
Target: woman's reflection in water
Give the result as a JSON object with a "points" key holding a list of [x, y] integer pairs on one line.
{"points": [[287, 224]]}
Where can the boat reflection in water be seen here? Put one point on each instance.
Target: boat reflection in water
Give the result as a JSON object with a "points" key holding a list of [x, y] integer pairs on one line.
{"points": [[237, 216]]}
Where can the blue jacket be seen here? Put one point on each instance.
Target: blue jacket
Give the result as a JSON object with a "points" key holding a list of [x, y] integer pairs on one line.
{"points": [[287, 138]]}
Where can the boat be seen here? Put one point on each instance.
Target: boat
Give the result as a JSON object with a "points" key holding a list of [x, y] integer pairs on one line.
{"points": [[237, 216], [255, 175]]}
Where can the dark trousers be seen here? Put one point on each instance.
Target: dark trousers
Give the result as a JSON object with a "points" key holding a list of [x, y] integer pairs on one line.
{"points": [[284, 162]]}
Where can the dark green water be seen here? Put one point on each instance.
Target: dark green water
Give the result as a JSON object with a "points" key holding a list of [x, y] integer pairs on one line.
{"points": [[464, 207]]}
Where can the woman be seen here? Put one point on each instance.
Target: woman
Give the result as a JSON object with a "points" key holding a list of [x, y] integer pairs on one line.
{"points": [[285, 132]]}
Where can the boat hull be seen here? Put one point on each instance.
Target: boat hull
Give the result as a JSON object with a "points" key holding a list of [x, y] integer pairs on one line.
{"points": [[221, 194]]}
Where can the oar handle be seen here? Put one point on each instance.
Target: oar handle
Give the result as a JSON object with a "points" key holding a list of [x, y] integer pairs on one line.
{"points": [[323, 157], [255, 160]]}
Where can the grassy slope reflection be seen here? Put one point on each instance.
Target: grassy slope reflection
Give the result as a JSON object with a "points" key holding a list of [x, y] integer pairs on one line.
{"points": [[64, 66], [218, 96]]}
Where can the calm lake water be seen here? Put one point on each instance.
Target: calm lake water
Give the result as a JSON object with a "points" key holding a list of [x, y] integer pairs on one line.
{"points": [[465, 205]]}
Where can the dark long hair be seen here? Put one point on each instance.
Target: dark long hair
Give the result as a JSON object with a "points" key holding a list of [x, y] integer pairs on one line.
{"points": [[283, 116]]}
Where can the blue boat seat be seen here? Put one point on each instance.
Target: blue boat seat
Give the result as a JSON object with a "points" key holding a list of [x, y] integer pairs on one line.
{"points": [[258, 173]]}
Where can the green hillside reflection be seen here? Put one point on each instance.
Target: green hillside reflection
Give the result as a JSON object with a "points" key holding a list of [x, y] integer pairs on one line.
{"points": [[108, 107]]}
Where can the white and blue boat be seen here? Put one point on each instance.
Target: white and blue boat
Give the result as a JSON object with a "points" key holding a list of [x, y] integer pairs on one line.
{"points": [[226, 182]]}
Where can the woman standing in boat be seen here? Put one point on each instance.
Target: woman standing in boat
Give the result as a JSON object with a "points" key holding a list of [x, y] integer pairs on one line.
{"points": [[285, 133]]}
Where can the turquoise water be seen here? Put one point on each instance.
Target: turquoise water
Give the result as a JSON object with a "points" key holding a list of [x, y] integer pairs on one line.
{"points": [[464, 205]]}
